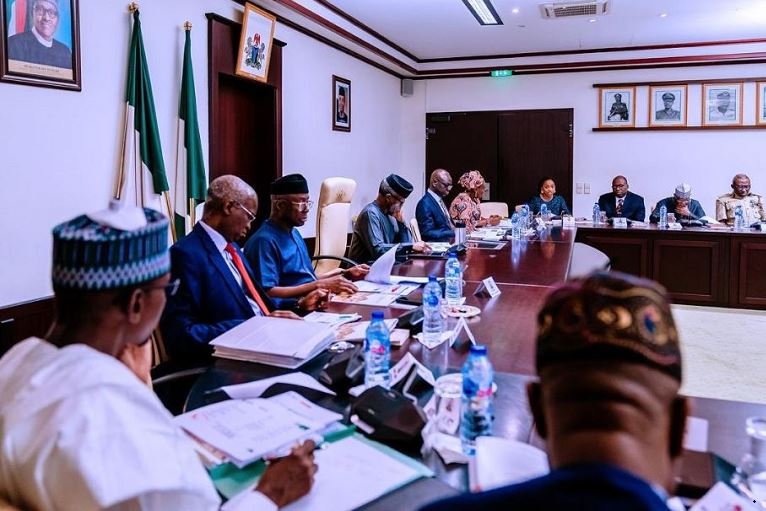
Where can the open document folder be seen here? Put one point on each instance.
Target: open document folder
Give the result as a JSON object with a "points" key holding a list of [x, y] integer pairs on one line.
{"points": [[274, 341], [352, 472]]}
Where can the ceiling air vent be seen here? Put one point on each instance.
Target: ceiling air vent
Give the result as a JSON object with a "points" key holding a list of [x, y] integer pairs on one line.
{"points": [[570, 9]]}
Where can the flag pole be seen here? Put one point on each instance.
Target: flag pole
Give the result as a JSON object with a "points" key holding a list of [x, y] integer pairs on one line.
{"points": [[132, 7], [166, 194]]}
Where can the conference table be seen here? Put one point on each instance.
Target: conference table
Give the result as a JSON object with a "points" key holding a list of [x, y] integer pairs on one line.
{"points": [[525, 271]]}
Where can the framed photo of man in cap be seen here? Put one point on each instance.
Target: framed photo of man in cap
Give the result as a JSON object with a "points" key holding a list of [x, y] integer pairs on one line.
{"points": [[40, 43], [667, 105], [341, 104], [617, 107], [760, 104], [721, 104], [255, 44]]}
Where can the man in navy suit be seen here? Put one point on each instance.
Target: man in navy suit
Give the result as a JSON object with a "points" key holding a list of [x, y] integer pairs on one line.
{"points": [[607, 401], [621, 202], [431, 213], [217, 289]]}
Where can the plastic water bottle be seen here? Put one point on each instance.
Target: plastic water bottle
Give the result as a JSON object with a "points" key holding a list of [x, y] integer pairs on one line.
{"points": [[524, 218], [377, 353], [596, 214], [515, 227], [432, 312], [751, 471], [477, 410], [663, 217], [544, 212], [453, 275], [739, 218]]}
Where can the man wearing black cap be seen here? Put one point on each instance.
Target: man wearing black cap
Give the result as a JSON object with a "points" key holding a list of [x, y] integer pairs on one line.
{"points": [[380, 226], [340, 115], [278, 253], [80, 430], [607, 402]]}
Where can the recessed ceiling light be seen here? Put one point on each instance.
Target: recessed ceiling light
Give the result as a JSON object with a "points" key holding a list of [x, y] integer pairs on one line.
{"points": [[664, 15], [483, 11], [592, 20], [515, 10]]}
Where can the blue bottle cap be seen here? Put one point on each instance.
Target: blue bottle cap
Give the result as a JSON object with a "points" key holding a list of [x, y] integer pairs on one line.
{"points": [[478, 350], [451, 255], [432, 278], [377, 315]]}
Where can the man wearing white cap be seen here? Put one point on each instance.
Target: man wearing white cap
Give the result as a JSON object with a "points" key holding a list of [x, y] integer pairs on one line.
{"points": [[37, 45], [80, 430], [681, 203]]}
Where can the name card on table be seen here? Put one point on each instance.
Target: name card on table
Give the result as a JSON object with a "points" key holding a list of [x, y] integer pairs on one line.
{"points": [[460, 326], [488, 287], [567, 221], [620, 222]]}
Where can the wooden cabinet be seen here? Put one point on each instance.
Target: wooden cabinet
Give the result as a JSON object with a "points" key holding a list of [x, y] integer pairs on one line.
{"points": [[696, 266]]}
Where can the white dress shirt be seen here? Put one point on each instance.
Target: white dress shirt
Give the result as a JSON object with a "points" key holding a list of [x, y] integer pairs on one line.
{"points": [[220, 243], [81, 431]]}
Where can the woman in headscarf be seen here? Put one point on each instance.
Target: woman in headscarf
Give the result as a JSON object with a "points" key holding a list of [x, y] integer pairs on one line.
{"points": [[547, 195], [465, 207]]}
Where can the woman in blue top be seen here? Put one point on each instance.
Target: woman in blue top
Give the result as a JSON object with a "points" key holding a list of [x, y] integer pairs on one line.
{"points": [[556, 203]]}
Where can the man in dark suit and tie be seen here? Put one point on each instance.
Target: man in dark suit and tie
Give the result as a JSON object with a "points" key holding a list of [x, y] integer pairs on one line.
{"points": [[621, 202], [217, 289], [431, 213]]}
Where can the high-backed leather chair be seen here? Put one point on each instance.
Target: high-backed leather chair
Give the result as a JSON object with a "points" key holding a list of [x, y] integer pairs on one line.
{"points": [[333, 220], [586, 259], [415, 228], [494, 208]]}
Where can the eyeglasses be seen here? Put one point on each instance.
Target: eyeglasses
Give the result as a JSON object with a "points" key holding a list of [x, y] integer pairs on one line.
{"points": [[303, 204], [171, 288], [42, 12], [250, 214]]}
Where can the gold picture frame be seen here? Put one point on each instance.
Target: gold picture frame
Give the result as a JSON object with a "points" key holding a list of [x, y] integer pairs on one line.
{"points": [[722, 104], [760, 105], [668, 105], [255, 44], [617, 107]]}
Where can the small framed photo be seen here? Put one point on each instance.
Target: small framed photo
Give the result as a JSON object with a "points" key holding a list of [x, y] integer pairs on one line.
{"points": [[667, 105], [255, 43], [617, 107], [721, 104], [40, 43], [341, 104], [760, 105]]}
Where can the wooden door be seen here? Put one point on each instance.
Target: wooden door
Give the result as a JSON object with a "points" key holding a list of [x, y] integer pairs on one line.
{"points": [[512, 149], [245, 116], [533, 144], [462, 141]]}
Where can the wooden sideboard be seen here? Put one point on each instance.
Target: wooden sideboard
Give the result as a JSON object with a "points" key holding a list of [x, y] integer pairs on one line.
{"points": [[698, 266]]}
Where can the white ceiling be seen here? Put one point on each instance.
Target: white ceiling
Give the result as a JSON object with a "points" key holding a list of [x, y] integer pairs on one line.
{"points": [[446, 28]]}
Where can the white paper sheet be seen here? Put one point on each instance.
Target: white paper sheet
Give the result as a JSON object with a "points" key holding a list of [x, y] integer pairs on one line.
{"points": [[380, 271], [395, 289], [352, 473], [256, 388], [695, 436], [490, 468]]}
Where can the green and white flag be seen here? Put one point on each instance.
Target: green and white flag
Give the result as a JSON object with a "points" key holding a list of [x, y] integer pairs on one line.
{"points": [[190, 182], [142, 180]]}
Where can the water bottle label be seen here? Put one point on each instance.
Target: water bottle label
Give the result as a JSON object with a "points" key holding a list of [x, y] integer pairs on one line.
{"points": [[377, 348]]}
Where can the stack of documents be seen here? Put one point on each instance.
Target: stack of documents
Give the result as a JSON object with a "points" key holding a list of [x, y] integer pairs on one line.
{"points": [[274, 341], [244, 430]]}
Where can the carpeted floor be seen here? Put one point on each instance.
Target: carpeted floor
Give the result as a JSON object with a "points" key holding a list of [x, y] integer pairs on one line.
{"points": [[724, 352]]}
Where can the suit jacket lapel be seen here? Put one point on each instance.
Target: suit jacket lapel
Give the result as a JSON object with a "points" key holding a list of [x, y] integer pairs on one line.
{"points": [[216, 259]]}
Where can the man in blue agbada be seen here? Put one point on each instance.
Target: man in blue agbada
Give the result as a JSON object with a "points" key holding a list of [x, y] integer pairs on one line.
{"points": [[278, 253], [607, 402]]}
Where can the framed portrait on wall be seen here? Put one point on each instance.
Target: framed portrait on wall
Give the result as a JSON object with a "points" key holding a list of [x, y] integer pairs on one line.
{"points": [[721, 104], [617, 107], [255, 43], [760, 104], [667, 105], [40, 43], [341, 104]]}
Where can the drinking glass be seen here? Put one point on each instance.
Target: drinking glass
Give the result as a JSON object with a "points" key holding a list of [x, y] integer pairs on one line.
{"points": [[671, 218], [448, 391]]}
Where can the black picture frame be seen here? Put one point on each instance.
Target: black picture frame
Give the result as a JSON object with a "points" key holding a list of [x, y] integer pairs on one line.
{"points": [[341, 104], [24, 59]]}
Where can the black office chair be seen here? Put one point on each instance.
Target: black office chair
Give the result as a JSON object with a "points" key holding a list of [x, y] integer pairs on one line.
{"points": [[171, 379]]}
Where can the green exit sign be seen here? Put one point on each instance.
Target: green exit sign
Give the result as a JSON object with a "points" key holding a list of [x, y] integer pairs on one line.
{"points": [[501, 72]]}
